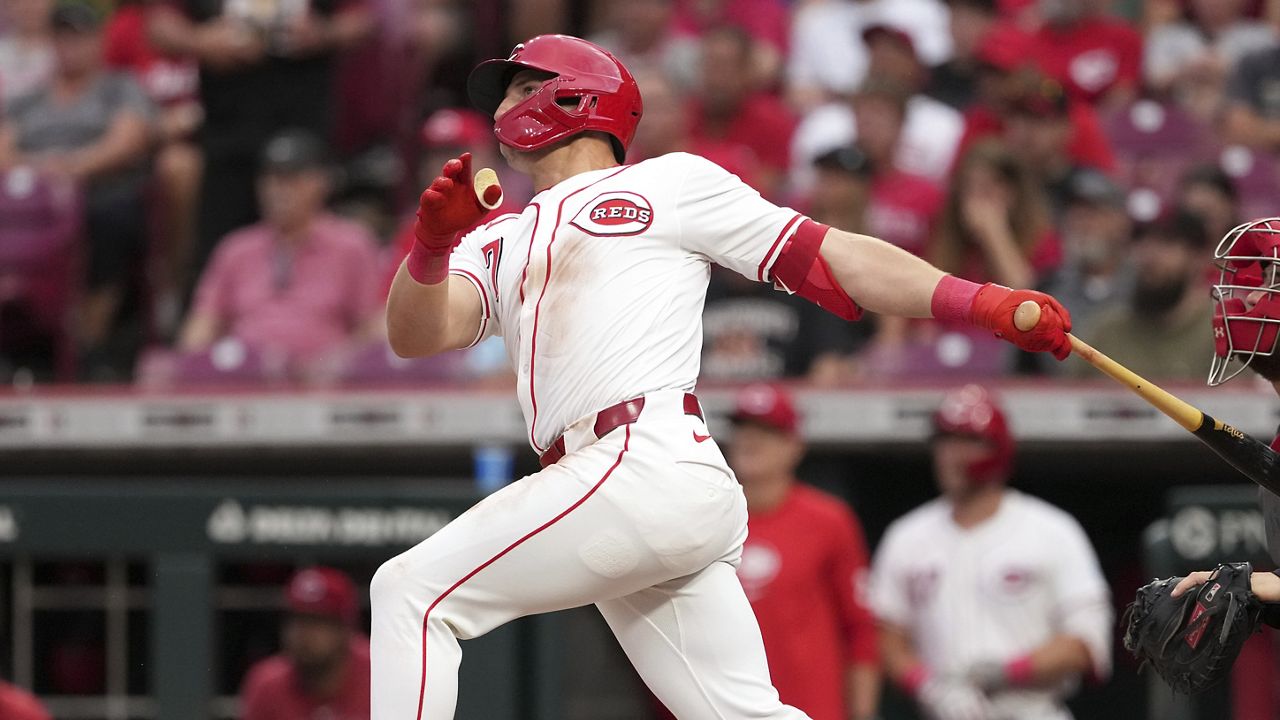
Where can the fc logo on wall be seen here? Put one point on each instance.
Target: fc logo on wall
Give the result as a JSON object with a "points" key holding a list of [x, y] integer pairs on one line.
{"points": [[614, 214]]}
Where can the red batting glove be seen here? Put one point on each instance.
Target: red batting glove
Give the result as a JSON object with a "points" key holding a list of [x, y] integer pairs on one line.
{"points": [[993, 309], [447, 207]]}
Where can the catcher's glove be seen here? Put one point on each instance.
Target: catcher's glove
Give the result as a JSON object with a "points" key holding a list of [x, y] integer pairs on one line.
{"points": [[1192, 640]]}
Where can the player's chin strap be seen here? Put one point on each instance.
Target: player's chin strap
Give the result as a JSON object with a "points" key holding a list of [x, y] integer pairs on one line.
{"points": [[801, 270]]}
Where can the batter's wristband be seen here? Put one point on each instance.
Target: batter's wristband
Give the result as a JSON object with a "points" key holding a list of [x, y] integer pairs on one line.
{"points": [[953, 299], [914, 679], [1019, 672], [428, 266]]}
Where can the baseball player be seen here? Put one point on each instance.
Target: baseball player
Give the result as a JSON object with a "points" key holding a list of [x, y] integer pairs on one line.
{"points": [[323, 670], [596, 289], [1245, 324], [991, 602]]}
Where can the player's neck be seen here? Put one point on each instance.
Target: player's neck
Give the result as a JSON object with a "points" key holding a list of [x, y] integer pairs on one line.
{"points": [[973, 509], [584, 153], [766, 494]]}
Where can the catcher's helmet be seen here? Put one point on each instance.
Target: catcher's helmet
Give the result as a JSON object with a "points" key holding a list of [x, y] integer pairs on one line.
{"points": [[597, 92], [971, 411], [1246, 321]]}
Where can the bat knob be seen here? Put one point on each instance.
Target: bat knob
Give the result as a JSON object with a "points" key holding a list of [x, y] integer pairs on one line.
{"points": [[1027, 316], [487, 189]]}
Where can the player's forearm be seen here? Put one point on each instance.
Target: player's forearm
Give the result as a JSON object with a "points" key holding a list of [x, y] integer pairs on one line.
{"points": [[881, 277], [864, 691], [897, 656], [418, 322], [1063, 656]]}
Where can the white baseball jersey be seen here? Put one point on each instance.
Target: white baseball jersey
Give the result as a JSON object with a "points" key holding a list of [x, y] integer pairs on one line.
{"points": [[597, 287], [597, 290], [994, 592]]}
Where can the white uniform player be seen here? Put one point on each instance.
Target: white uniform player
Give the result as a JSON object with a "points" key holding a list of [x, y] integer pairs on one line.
{"points": [[992, 601], [597, 289]]}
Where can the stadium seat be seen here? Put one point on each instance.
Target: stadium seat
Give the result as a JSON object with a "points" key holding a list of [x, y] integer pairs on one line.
{"points": [[953, 355], [1155, 143], [40, 225]]}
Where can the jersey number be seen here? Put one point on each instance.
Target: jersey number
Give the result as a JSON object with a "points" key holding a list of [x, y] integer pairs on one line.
{"points": [[492, 254]]}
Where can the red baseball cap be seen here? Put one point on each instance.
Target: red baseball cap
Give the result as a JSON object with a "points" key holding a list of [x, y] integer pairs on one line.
{"points": [[1006, 48], [456, 127], [767, 405], [324, 592]]}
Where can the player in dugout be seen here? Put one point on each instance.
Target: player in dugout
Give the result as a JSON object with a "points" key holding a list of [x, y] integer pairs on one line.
{"points": [[991, 602], [323, 669], [597, 289]]}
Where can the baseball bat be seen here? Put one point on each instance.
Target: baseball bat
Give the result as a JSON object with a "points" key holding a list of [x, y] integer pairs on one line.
{"points": [[488, 191], [1254, 459]]}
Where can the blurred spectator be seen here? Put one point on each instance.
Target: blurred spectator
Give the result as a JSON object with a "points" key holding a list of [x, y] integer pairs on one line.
{"points": [[766, 22], [322, 670], [1039, 126], [1207, 191], [903, 206], [93, 127], [1192, 58], [752, 332], [931, 129], [843, 189], [642, 34], [991, 602], [803, 568], [730, 112], [995, 226], [1006, 72], [172, 82], [302, 284], [18, 704], [828, 59], [1097, 58], [1160, 332], [1095, 232], [1253, 101], [264, 67], [26, 49], [954, 82]]}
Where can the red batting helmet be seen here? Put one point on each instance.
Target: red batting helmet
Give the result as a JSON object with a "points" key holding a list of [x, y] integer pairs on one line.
{"points": [[1246, 320], [601, 94], [971, 411]]}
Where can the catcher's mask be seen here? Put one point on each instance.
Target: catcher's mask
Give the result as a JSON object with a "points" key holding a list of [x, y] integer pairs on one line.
{"points": [[1246, 321], [972, 412]]}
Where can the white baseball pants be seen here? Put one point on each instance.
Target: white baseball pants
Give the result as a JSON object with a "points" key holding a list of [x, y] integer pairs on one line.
{"points": [[647, 523]]}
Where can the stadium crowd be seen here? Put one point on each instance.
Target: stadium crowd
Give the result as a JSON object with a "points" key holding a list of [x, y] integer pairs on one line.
{"points": [[214, 192]]}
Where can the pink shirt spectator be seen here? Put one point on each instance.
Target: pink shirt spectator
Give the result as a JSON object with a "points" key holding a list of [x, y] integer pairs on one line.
{"points": [[902, 210], [303, 302]]}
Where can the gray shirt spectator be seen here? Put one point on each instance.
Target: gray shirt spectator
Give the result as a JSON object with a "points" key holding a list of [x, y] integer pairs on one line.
{"points": [[44, 124]]}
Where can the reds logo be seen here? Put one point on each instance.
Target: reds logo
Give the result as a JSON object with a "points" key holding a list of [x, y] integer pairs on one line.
{"points": [[614, 214]]}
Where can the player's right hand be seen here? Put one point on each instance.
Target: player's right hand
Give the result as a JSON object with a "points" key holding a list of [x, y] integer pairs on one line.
{"points": [[1265, 585], [953, 699], [993, 309], [448, 206]]}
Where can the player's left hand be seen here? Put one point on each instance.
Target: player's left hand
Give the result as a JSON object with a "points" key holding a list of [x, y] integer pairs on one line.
{"points": [[1263, 584], [993, 309], [448, 206]]}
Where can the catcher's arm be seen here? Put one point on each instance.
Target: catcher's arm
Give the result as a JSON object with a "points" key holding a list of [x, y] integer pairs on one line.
{"points": [[1264, 584]]}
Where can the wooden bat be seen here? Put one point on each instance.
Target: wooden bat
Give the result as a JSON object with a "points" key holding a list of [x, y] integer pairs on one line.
{"points": [[1256, 460], [488, 191]]}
